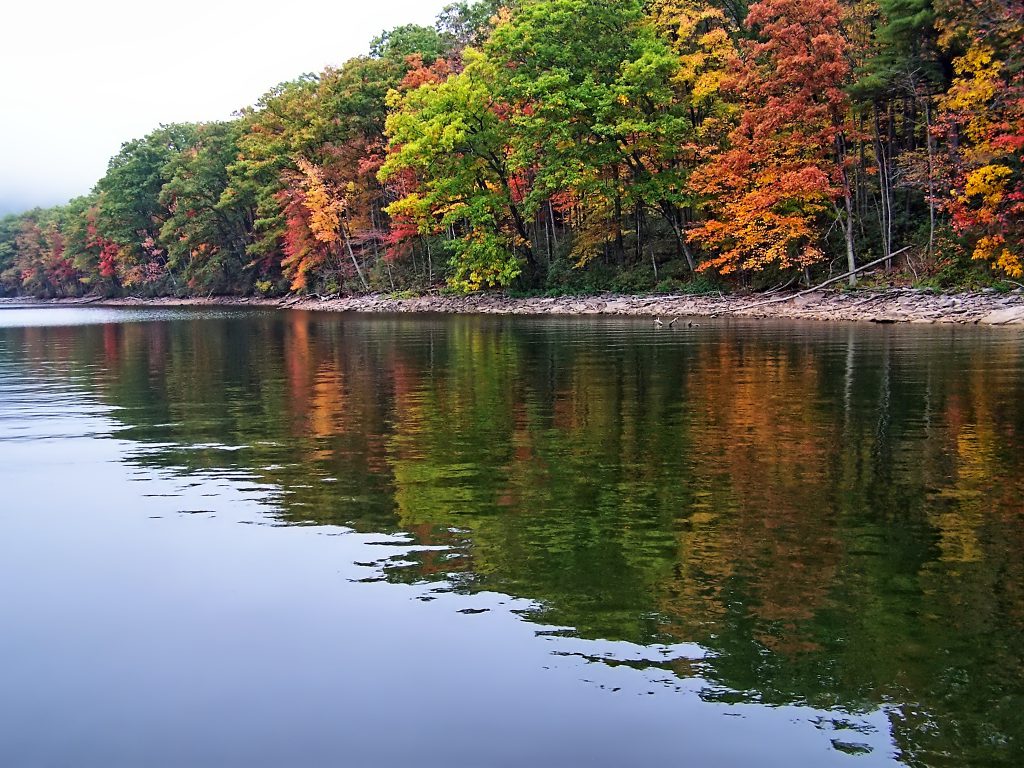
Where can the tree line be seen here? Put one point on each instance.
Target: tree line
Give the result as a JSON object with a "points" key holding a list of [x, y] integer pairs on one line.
{"points": [[579, 145]]}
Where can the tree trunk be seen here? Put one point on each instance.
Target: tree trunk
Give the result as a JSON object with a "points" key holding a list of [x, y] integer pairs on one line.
{"points": [[931, 177], [620, 244], [352, 255], [551, 219], [884, 183], [851, 256], [848, 228], [430, 265], [520, 225], [671, 215], [638, 214]]}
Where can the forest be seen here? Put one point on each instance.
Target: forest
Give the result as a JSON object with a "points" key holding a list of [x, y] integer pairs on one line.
{"points": [[580, 146]]}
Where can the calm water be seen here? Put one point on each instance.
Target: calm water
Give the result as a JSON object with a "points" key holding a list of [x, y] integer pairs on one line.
{"points": [[288, 539]]}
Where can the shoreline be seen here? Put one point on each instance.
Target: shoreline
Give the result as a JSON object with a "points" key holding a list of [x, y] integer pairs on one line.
{"points": [[890, 305]]}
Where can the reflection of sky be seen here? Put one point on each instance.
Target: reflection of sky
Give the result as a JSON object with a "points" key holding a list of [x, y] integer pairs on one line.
{"points": [[154, 618], [16, 315]]}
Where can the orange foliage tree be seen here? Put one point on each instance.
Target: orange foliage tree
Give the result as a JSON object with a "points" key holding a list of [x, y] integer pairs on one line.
{"points": [[317, 225], [783, 167]]}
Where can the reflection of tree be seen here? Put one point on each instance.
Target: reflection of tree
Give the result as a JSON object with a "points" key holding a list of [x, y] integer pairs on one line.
{"points": [[836, 512], [767, 444]]}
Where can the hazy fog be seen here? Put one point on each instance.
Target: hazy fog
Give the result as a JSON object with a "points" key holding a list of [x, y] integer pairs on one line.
{"points": [[78, 79]]}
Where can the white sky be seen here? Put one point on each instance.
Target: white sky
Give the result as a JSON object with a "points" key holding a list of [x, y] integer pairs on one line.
{"points": [[80, 77]]}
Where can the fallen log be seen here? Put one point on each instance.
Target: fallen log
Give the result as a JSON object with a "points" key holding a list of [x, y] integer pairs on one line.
{"points": [[827, 283]]}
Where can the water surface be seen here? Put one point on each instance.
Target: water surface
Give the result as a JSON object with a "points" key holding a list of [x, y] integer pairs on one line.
{"points": [[284, 538]]}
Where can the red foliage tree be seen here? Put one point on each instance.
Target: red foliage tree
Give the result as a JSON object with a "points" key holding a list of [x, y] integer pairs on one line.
{"points": [[783, 168]]}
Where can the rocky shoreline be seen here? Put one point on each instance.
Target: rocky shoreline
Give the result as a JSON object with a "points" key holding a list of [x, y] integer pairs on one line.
{"points": [[892, 305]]}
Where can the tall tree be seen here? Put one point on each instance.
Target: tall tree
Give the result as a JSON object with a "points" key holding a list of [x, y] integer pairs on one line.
{"points": [[597, 111], [785, 168], [455, 138], [277, 129], [899, 71], [130, 211], [207, 233]]}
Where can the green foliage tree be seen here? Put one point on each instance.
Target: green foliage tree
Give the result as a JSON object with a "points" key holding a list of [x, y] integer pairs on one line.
{"points": [[130, 211], [608, 103], [207, 233], [453, 136], [407, 40], [9, 282]]}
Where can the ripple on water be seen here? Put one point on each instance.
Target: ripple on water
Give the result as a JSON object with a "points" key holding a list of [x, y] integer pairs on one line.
{"points": [[552, 541]]}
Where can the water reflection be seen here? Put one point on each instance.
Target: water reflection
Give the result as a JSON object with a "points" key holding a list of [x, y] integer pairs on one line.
{"points": [[824, 520]]}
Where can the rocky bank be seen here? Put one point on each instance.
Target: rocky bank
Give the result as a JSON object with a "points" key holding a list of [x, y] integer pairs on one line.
{"points": [[893, 305]]}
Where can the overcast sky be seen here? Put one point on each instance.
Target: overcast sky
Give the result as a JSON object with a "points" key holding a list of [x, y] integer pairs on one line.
{"points": [[80, 77]]}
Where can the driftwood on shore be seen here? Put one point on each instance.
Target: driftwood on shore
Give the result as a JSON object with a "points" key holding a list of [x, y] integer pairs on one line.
{"points": [[830, 281], [891, 305]]}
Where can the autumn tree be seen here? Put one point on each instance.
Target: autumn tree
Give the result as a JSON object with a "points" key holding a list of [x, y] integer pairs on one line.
{"points": [[92, 255], [274, 130], [32, 249], [704, 39], [784, 170], [317, 214], [982, 117], [350, 160], [33, 255]]}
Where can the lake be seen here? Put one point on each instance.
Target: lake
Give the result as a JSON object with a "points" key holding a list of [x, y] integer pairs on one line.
{"points": [[270, 538]]}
